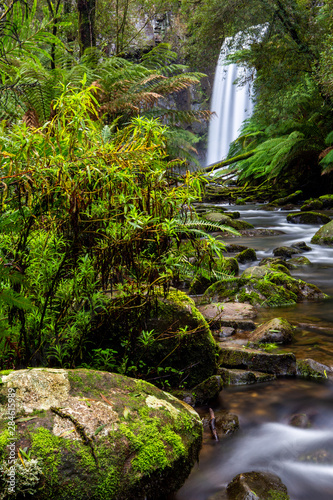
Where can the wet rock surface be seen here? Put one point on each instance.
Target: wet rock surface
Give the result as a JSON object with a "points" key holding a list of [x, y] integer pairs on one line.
{"points": [[257, 486], [277, 330], [254, 359]]}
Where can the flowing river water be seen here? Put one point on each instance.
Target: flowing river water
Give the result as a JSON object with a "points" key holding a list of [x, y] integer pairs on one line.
{"points": [[302, 458]]}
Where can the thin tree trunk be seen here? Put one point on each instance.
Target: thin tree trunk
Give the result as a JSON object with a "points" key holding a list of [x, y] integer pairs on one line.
{"points": [[87, 35]]}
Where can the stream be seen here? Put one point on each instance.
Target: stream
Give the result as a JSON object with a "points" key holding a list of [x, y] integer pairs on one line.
{"points": [[302, 458]]}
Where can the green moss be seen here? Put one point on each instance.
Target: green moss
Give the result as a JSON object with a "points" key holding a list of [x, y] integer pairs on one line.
{"points": [[277, 495], [4, 440], [47, 447], [155, 445]]}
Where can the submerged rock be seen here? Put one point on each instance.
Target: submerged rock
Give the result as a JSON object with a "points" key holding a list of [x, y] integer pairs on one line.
{"points": [[277, 330], [300, 261], [324, 236], [301, 245], [257, 486], [309, 368], [300, 420], [243, 377], [254, 359], [98, 435], [226, 423]]}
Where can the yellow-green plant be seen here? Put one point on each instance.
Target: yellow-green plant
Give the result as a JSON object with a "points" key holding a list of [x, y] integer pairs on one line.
{"points": [[86, 223]]}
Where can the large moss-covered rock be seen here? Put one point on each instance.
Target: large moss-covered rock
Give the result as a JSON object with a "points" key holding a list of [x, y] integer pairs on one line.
{"points": [[324, 236], [254, 359], [184, 340], [257, 486], [276, 330], [308, 218], [97, 435], [310, 205]]}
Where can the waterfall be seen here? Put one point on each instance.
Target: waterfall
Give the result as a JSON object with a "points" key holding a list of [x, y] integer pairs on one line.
{"points": [[231, 103]]}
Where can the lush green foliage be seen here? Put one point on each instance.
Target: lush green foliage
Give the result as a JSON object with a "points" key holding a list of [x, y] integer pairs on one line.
{"points": [[92, 225]]}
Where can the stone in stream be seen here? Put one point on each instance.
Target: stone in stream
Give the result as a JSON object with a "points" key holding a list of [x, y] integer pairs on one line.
{"points": [[226, 423], [98, 435], [310, 205], [300, 420], [309, 368], [243, 377], [285, 251], [233, 248], [257, 486], [327, 200], [301, 245], [248, 255], [254, 359], [277, 330], [308, 218], [324, 236], [299, 261], [229, 314]]}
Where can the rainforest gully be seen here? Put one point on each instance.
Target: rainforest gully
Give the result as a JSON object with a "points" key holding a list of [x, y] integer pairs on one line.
{"points": [[166, 249]]}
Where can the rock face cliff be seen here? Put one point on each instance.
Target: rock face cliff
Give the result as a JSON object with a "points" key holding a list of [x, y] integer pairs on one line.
{"points": [[85, 434]]}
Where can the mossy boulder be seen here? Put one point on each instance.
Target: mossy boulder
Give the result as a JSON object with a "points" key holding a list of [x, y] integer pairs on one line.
{"points": [[308, 218], [324, 236], [234, 248], [277, 330], [286, 199], [301, 245], [248, 255], [254, 359], [327, 200], [264, 286], [309, 368], [184, 340], [208, 389], [310, 205], [300, 261], [257, 486], [98, 435], [286, 252]]}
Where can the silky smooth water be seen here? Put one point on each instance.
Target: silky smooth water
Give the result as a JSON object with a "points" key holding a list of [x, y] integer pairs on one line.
{"points": [[302, 458]]}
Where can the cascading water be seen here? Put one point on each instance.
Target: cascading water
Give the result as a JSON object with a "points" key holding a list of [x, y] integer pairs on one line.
{"points": [[231, 103]]}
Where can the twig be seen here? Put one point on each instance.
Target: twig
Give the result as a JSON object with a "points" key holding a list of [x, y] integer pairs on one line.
{"points": [[212, 425]]}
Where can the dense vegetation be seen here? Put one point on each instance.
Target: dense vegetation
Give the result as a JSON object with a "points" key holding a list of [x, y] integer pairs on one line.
{"points": [[96, 217], [290, 130]]}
